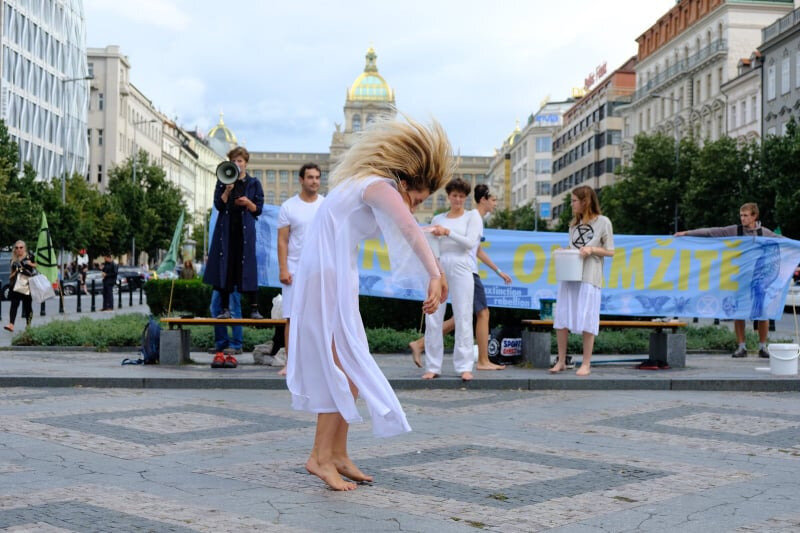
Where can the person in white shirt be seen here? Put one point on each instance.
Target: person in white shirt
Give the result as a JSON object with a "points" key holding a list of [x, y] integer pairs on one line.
{"points": [[294, 218], [485, 204], [459, 234]]}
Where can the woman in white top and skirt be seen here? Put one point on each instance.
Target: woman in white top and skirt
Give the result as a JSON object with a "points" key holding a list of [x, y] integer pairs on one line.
{"points": [[392, 168], [578, 302], [458, 234]]}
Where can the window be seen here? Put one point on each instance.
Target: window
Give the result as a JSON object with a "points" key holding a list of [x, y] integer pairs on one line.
{"points": [[100, 101], [771, 81], [542, 188], [258, 174], [89, 136], [99, 137], [99, 171], [90, 67], [708, 86], [753, 108], [270, 176], [440, 202], [743, 113], [284, 196], [797, 68], [544, 144], [284, 176], [467, 178], [542, 166], [785, 84], [270, 198], [428, 203], [356, 122], [734, 124], [614, 137], [323, 179]]}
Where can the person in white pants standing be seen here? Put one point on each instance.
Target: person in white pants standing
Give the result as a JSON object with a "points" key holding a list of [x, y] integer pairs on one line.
{"points": [[458, 233]]}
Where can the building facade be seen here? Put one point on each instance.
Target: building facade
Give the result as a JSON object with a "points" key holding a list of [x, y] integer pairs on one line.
{"points": [[780, 50], [587, 149], [685, 58], [43, 86], [743, 94]]}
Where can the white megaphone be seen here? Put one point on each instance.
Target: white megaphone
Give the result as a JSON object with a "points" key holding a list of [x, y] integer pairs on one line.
{"points": [[227, 172]]}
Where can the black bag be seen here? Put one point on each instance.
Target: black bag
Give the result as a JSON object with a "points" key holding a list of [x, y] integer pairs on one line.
{"points": [[505, 345]]}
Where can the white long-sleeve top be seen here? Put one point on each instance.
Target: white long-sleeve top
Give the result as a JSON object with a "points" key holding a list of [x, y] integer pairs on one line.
{"points": [[464, 237]]}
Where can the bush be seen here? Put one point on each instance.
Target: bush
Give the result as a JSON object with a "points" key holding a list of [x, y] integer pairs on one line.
{"points": [[120, 330], [193, 296]]}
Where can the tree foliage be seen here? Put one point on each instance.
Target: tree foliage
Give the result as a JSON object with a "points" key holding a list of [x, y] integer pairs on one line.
{"points": [[522, 218]]}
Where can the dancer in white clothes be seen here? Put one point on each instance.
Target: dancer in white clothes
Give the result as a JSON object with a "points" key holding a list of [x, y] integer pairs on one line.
{"points": [[459, 234], [294, 217], [578, 308], [392, 168]]}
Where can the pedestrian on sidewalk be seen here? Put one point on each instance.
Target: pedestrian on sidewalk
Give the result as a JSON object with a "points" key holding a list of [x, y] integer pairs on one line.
{"points": [[392, 168], [22, 268], [749, 226], [578, 308], [110, 270]]}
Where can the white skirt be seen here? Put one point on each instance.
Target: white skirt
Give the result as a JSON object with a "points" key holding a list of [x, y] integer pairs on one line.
{"points": [[577, 307]]}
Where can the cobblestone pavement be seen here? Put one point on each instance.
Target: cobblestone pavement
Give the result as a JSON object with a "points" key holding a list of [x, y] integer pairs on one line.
{"points": [[572, 461]]}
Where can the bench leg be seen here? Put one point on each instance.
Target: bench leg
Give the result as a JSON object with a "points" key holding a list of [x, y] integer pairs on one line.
{"points": [[174, 347], [536, 348], [668, 347]]}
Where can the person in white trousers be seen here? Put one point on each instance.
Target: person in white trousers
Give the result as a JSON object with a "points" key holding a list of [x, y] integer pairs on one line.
{"points": [[458, 233]]}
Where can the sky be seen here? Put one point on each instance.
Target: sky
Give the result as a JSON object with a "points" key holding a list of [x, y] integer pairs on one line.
{"points": [[280, 70]]}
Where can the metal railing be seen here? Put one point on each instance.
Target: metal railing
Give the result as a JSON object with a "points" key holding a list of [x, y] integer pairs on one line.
{"points": [[780, 25], [717, 47]]}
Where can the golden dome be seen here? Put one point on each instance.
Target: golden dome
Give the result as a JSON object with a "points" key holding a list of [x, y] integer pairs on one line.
{"points": [[370, 86], [222, 133]]}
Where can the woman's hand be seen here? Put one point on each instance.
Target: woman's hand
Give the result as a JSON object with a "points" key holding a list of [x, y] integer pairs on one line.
{"points": [[586, 251], [440, 231], [431, 303], [445, 287], [244, 201], [505, 277]]}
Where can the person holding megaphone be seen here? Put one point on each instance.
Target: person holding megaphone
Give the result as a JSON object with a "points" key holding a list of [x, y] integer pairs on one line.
{"points": [[231, 265]]}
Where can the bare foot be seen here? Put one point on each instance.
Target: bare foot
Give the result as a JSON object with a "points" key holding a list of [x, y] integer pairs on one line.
{"points": [[583, 371], [429, 375], [416, 351], [490, 366], [282, 371], [466, 376], [559, 367], [347, 468], [327, 473]]}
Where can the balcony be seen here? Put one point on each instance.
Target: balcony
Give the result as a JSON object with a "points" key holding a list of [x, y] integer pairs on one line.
{"points": [[718, 47], [781, 25]]}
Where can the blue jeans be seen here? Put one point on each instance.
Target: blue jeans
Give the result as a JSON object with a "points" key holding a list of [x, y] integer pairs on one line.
{"points": [[221, 338]]}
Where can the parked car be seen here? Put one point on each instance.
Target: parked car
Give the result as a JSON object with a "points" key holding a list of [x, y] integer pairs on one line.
{"points": [[131, 277]]}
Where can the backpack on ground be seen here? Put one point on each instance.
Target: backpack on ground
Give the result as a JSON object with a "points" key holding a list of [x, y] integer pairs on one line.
{"points": [[151, 341]]}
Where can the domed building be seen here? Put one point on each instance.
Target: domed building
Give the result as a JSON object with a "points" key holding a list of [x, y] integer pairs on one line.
{"points": [[220, 138]]}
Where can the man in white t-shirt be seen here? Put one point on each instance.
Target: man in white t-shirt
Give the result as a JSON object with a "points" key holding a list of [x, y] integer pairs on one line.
{"points": [[294, 218]]}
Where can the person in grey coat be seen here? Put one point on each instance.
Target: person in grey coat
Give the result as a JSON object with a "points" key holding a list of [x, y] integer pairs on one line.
{"points": [[232, 257], [749, 226]]}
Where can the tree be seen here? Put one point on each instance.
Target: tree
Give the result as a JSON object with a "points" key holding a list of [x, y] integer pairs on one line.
{"points": [[19, 214], [565, 217], [151, 205], [644, 199], [521, 218], [780, 173]]}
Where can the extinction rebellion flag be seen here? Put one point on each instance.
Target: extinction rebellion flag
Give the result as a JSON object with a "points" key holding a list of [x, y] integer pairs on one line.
{"points": [[46, 257]]}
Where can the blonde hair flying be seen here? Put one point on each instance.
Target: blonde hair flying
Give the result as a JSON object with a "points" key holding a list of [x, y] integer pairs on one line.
{"points": [[400, 150]]}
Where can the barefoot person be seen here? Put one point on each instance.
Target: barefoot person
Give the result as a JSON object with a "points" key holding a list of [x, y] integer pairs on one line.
{"points": [[459, 234], [485, 204], [578, 308], [294, 217], [392, 168]]}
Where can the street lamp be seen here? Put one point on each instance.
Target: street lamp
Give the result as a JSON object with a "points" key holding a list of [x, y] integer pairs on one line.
{"points": [[677, 147], [133, 179]]}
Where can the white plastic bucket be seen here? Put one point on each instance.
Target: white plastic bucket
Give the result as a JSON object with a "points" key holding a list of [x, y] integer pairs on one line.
{"points": [[569, 265], [783, 359]]}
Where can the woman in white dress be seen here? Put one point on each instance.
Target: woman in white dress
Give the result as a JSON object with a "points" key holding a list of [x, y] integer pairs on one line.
{"points": [[391, 169], [578, 302], [459, 234]]}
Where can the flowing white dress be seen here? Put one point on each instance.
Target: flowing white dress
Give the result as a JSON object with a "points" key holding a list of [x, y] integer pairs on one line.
{"points": [[325, 303]]}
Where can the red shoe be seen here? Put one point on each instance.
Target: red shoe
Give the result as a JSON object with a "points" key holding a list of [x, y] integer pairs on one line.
{"points": [[219, 361], [230, 361]]}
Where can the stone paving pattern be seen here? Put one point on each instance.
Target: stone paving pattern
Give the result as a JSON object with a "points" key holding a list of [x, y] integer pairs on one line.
{"points": [[232, 460]]}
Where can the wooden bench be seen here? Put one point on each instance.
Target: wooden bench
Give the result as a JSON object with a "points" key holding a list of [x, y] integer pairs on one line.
{"points": [[175, 343], [667, 343]]}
